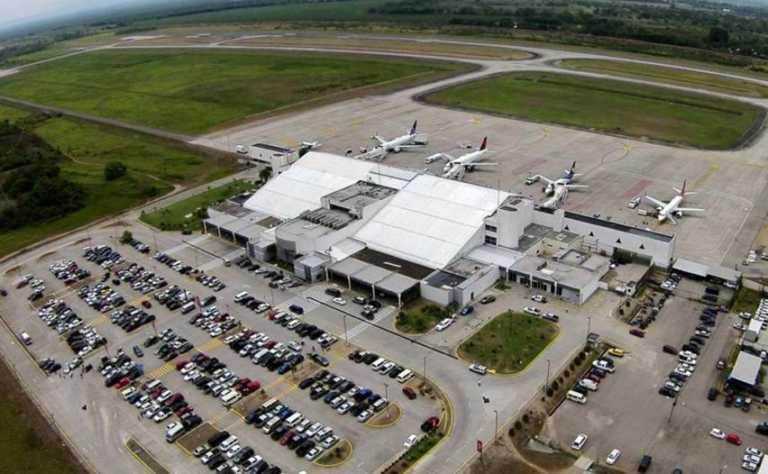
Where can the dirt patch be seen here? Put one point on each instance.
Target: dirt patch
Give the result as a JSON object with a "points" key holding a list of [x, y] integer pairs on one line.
{"points": [[250, 403], [387, 417], [307, 368], [196, 437]]}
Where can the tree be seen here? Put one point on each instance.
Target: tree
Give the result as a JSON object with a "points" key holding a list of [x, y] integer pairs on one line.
{"points": [[265, 174], [127, 237], [114, 170], [718, 35]]}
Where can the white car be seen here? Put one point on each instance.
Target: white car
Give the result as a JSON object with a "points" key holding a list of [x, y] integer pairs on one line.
{"points": [[313, 453], [538, 299], [478, 369], [364, 416], [532, 310], [410, 441], [444, 324], [749, 466], [751, 459], [579, 442], [339, 301], [753, 452], [613, 456], [716, 433]]}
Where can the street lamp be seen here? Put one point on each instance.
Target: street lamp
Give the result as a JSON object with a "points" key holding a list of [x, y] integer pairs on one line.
{"points": [[546, 384], [589, 326], [496, 426], [386, 397]]}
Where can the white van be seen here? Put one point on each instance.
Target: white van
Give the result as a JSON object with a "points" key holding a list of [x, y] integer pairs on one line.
{"points": [[188, 307], [240, 296], [152, 385], [405, 376], [589, 384], [269, 404], [231, 398], [25, 338], [227, 443], [378, 363], [271, 425], [576, 397], [294, 419], [174, 432]]}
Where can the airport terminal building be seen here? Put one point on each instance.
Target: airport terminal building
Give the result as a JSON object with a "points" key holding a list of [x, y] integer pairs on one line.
{"points": [[402, 234]]}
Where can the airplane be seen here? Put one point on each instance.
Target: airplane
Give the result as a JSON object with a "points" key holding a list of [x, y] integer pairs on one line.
{"points": [[670, 210], [403, 142], [456, 167], [559, 195], [569, 176]]}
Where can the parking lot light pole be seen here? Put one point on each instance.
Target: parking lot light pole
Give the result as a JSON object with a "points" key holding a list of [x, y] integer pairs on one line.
{"points": [[546, 384], [344, 316], [425, 369], [386, 396], [589, 326], [496, 426]]}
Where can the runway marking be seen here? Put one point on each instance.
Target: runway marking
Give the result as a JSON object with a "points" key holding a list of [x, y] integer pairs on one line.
{"points": [[637, 188], [699, 182]]}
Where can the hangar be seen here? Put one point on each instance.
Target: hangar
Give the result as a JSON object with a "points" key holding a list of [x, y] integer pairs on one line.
{"points": [[401, 234]]}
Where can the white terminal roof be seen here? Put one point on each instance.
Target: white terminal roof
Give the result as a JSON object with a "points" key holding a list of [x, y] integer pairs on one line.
{"points": [[430, 220], [301, 186]]}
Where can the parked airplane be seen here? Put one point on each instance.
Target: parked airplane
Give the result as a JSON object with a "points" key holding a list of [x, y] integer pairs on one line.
{"points": [[456, 167], [569, 176], [559, 195], [403, 142], [670, 210]]}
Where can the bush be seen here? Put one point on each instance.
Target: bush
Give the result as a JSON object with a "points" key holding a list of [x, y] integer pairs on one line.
{"points": [[555, 385], [550, 392], [114, 170], [526, 419], [518, 425], [567, 373], [127, 237]]}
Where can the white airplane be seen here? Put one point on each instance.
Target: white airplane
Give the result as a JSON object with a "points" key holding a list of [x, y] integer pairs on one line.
{"points": [[456, 167], [559, 195], [670, 210], [569, 176], [403, 142]]}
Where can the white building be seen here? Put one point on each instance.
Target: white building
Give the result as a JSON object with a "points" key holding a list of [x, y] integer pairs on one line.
{"points": [[401, 233]]}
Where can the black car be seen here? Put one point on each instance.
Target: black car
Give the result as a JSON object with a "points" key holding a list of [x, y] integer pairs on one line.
{"points": [[306, 383], [762, 428], [670, 349], [712, 394]]}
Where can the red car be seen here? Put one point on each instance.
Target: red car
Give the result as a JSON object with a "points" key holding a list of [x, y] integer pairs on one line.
{"points": [[637, 332], [183, 411], [286, 437], [146, 304], [409, 392], [180, 364], [253, 385], [733, 438], [122, 383]]}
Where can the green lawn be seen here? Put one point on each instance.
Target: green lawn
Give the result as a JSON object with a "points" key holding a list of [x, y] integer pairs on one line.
{"points": [[509, 342], [606, 105], [154, 166], [420, 316], [678, 77], [27, 442], [11, 114], [746, 300], [192, 91], [182, 214]]}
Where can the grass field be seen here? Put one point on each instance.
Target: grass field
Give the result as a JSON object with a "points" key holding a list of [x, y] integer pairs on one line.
{"points": [[668, 75], [610, 106], [420, 316], [509, 342], [174, 217], [746, 300], [153, 168], [192, 91], [27, 442]]}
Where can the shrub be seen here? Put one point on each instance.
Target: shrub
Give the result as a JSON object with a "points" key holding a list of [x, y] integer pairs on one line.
{"points": [[127, 237], [114, 170], [518, 425], [550, 392], [526, 419]]}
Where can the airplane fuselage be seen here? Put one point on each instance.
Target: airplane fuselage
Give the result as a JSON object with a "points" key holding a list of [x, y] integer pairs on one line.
{"points": [[465, 160], [670, 208], [396, 143]]}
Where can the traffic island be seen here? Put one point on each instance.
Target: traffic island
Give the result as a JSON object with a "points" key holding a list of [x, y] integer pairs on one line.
{"points": [[336, 456], [387, 417], [509, 343]]}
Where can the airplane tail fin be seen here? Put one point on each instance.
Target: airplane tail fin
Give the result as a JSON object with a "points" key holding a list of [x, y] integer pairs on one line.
{"points": [[682, 191], [484, 145], [413, 128]]}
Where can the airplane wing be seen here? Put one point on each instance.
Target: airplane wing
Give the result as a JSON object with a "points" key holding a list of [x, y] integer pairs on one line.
{"points": [[545, 179], [479, 164], [409, 147], [690, 209], [379, 139], [655, 201], [576, 186]]}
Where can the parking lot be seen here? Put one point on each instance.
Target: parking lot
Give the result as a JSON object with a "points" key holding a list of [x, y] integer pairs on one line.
{"points": [[144, 299], [628, 413]]}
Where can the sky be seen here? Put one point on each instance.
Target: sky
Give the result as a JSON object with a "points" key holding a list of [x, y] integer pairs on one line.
{"points": [[12, 11]]}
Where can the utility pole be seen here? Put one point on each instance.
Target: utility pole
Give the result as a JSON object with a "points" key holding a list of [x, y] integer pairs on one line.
{"points": [[496, 426], [346, 338], [386, 396], [672, 409], [546, 384], [425, 369]]}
